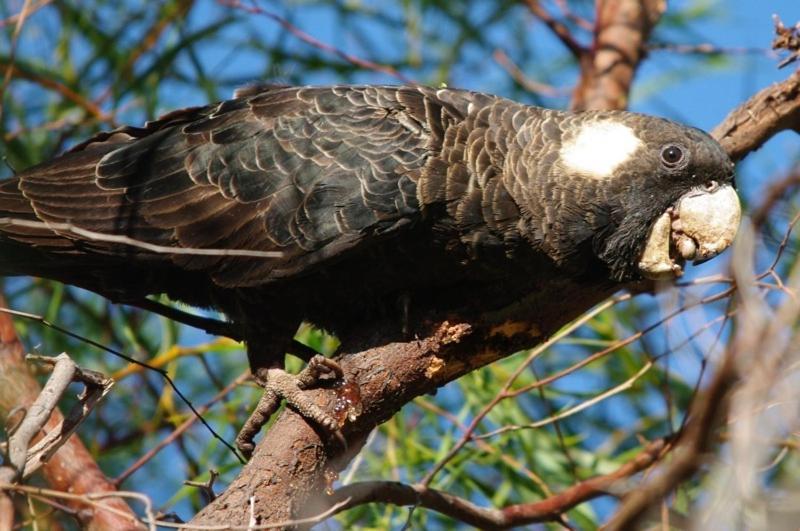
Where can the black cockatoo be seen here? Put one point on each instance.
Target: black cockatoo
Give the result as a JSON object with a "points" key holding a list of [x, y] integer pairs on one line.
{"points": [[334, 204]]}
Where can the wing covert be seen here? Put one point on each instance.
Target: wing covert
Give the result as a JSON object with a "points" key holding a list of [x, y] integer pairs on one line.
{"points": [[306, 171]]}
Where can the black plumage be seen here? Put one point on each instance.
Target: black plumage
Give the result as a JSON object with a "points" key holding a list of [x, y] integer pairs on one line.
{"points": [[450, 200]]}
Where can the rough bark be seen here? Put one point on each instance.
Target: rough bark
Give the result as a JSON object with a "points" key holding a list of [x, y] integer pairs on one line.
{"points": [[774, 109], [622, 29], [72, 468], [287, 473]]}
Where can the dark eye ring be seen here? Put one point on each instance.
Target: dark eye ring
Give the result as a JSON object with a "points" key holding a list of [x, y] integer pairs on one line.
{"points": [[672, 155]]}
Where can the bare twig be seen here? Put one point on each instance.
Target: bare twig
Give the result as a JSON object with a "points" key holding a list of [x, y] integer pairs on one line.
{"points": [[72, 467], [550, 509], [64, 371], [39, 412], [579, 21], [558, 28], [787, 39], [308, 39], [206, 487], [25, 459], [527, 83], [25, 13]]}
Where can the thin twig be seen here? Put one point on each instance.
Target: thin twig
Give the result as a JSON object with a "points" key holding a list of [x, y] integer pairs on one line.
{"points": [[527, 83], [558, 28], [308, 39], [163, 373], [125, 240], [550, 509], [180, 430]]}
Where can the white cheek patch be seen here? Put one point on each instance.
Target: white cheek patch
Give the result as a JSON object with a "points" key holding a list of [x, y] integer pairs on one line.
{"points": [[599, 148]]}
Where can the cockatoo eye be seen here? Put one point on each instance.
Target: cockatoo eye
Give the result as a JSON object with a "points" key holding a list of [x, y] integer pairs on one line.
{"points": [[671, 155]]}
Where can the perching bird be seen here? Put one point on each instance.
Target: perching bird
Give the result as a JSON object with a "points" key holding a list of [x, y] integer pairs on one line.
{"points": [[336, 204]]}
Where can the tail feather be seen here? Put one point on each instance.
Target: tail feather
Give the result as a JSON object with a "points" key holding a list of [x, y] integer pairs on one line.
{"points": [[28, 247], [19, 223]]}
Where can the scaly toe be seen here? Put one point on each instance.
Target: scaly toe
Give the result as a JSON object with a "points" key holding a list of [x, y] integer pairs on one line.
{"points": [[280, 385]]}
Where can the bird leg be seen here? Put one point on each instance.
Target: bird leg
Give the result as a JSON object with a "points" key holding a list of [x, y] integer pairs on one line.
{"points": [[279, 385]]}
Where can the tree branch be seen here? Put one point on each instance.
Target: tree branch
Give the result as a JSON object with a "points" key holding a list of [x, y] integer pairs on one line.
{"points": [[622, 29], [708, 409], [559, 29], [774, 109], [548, 510], [72, 468], [288, 469]]}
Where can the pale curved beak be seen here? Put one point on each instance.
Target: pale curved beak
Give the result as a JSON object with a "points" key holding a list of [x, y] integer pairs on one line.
{"points": [[711, 220], [698, 227]]}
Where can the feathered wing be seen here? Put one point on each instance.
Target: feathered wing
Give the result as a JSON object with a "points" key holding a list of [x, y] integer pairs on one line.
{"points": [[309, 172]]}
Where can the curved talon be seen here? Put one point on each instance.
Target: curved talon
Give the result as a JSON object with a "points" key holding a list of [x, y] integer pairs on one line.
{"points": [[266, 407], [280, 385], [318, 366]]}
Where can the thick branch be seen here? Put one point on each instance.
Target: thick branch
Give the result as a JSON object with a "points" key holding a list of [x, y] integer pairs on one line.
{"points": [[774, 109], [288, 469], [72, 468], [621, 33]]}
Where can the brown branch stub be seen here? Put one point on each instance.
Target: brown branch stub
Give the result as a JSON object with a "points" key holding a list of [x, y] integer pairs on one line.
{"points": [[787, 38], [772, 110], [621, 33]]}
